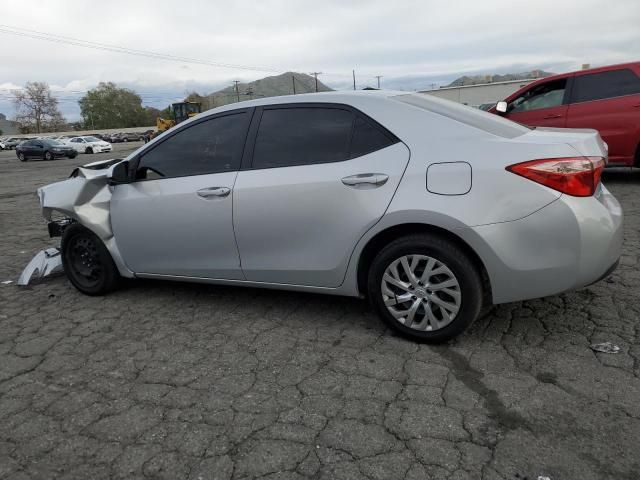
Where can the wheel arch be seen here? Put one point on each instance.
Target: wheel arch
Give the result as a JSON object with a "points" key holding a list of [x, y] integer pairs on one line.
{"points": [[376, 243]]}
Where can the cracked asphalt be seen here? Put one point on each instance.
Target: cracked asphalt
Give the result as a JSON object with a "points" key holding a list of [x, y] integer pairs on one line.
{"points": [[171, 380]]}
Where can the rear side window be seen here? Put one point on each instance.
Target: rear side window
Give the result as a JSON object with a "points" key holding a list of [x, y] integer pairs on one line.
{"points": [[596, 86], [367, 138], [211, 146], [302, 136]]}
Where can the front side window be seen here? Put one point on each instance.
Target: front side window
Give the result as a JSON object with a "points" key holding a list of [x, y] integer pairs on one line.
{"points": [[302, 136], [596, 86], [547, 95], [212, 146]]}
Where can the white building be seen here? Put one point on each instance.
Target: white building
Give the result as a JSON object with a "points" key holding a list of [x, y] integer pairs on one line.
{"points": [[479, 94]]}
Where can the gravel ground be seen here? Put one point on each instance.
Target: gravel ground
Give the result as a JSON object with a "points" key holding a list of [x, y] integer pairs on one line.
{"points": [[170, 380]]}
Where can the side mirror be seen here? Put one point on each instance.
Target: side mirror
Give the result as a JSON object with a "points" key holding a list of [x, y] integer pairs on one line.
{"points": [[120, 173], [501, 107]]}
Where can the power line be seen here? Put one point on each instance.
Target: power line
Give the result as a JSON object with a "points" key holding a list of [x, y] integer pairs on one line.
{"points": [[49, 37]]}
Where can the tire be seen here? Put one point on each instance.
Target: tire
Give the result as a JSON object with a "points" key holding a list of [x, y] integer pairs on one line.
{"points": [[73, 155], [462, 297], [21, 157], [87, 262], [125, 140], [48, 156], [88, 150]]}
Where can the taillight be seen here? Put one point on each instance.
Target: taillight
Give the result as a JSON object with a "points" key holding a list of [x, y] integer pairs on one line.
{"points": [[577, 176]]}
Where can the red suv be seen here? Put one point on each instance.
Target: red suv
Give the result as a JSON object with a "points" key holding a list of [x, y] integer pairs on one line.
{"points": [[606, 99]]}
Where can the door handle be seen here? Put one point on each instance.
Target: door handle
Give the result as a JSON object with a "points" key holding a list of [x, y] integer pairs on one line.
{"points": [[214, 192], [366, 180], [555, 115]]}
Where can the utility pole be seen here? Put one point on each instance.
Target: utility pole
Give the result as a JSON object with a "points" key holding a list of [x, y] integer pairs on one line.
{"points": [[293, 82], [378, 77], [236, 82], [250, 93], [354, 79], [315, 74]]}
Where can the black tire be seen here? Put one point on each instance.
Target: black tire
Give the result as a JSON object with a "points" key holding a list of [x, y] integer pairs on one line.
{"points": [[125, 140], [449, 254], [48, 155], [21, 157], [87, 262], [88, 150]]}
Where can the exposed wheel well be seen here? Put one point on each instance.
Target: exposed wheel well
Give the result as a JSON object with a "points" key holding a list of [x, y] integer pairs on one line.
{"points": [[383, 238]]}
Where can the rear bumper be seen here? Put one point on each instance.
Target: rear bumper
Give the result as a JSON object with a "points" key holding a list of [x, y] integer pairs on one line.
{"points": [[570, 243]]}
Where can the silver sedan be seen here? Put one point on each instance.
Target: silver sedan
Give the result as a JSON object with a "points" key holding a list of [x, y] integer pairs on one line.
{"points": [[431, 209]]}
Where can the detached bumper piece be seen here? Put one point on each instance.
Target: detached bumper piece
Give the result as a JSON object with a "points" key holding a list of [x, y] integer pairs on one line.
{"points": [[46, 262], [56, 229]]}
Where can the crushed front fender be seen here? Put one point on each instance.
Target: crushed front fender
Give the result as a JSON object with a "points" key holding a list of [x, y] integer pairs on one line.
{"points": [[45, 263]]}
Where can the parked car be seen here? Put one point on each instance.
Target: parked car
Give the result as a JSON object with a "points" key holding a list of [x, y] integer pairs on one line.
{"points": [[130, 137], [89, 144], [2, 147], [606, 99], [12, 142], [46, 149], [360, 194]]}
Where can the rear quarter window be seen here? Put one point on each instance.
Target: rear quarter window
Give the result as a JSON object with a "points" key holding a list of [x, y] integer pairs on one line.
{"points": [[488, 122], [598, 86]]}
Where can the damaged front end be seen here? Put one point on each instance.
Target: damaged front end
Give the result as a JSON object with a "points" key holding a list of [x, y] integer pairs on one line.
{"points": [[84, 198]]}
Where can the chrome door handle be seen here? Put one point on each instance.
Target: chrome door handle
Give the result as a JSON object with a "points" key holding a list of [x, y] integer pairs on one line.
{"points": [[366, 180], [214, 192], [555, 115]]}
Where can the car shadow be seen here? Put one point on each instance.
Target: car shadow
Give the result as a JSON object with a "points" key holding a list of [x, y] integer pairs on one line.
{"points": [[621, 175]]}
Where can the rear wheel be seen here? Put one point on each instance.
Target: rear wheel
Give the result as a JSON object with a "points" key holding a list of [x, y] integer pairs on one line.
{"points": [[87, 262], [48, 156], [425, 287], [21, 157]]}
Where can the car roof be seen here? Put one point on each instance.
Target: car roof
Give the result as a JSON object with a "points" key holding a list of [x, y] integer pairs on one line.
{"points": [[606, 68]]}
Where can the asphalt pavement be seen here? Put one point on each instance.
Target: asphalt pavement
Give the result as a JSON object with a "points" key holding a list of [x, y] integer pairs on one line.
{"points": [[175, 380]]}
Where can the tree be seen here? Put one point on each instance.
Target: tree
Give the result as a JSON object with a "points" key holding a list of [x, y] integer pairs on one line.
{"points": [[109, 106], [36, 109]]}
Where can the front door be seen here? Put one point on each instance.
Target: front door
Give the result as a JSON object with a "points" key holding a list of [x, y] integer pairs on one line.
{"points": [[314, 188], [541, 106], [175, 219]]}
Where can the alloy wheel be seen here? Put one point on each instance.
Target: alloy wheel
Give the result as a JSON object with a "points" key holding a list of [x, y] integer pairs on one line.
{"points": [[85, 261], [421, 292]]}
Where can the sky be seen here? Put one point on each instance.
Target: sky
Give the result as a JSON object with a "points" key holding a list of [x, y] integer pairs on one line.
{"points": [[412, 44]]}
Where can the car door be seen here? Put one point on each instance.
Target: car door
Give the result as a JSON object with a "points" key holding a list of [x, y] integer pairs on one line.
{"points": [[175, 218], [35, 149], [320, 176], [609, 102], [543, 105]]}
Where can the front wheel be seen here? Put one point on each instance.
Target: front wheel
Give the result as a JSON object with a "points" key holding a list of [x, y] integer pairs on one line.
{"points": [[87, 261], [48, 156], [88, 150], [21, 157], [425, 287]]}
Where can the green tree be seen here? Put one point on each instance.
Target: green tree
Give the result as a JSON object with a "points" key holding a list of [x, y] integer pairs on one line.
{"points": [[109, 106], [36, 109]]}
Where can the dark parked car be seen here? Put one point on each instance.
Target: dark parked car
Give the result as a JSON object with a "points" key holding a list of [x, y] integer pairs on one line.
{"points": [[44, 148]]}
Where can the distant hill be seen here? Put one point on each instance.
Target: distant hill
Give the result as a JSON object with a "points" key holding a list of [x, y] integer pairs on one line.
{"points": [[476, 79], [266, 87]]}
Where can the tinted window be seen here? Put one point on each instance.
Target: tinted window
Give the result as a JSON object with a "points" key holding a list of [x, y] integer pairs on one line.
{"points": [[302, 136], [547, 95], [596, 86], [367, 138], [211, 146]]}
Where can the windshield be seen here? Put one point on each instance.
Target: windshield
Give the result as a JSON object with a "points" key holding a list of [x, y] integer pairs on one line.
{"points": [[92, 139], [473, 117]]}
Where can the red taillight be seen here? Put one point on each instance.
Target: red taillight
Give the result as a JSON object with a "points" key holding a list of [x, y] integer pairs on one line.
{"points": [[577, 176]]}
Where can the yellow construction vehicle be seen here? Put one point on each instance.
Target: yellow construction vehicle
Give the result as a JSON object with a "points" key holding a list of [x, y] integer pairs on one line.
{"points": [[180, 111]]}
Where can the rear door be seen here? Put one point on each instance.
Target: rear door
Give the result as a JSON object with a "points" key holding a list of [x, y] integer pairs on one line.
{"points": [[543, 105], [610, 103], [319, 177]]}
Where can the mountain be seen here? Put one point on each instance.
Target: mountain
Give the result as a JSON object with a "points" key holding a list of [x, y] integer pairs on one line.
{"points": [[266, 87], [476, 79]]}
